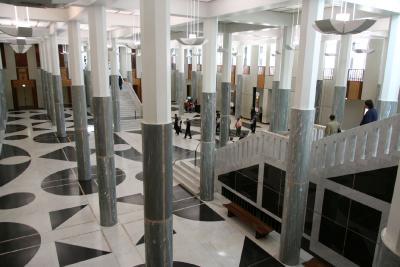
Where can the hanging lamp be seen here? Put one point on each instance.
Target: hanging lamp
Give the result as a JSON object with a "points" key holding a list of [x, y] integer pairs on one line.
{"points": [[193, 37]]}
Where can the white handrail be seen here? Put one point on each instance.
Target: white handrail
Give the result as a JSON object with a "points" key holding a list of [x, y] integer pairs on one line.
{"points": [[138, 104], [262, 146], [371, 146]]}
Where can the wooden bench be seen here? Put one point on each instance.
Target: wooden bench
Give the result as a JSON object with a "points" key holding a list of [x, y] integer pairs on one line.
{"points": [[262, 230]]}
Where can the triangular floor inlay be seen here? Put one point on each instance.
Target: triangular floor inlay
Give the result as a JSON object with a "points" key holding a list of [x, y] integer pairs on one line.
{"points": [[58, 217], [69, 254], [254, 255], [65, 153]]}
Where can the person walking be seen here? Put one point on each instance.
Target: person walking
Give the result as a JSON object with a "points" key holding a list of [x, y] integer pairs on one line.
{"points": [[253, 124], [218, 122], [371, 115], [238, 126], [176, 124], [120, 82], [187, 132], [333, 126]]}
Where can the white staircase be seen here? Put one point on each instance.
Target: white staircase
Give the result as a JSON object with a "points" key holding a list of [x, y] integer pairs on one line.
{"points": [[130, 108], [188, 175]]}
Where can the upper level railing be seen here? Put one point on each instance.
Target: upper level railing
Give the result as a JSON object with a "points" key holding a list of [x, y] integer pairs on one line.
{"points": [[355, 75], [371, 146], [328, 74], [262, 146]]}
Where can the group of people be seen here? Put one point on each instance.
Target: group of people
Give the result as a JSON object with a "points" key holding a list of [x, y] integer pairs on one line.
{"points": [[178, 127], [333, 126], [190, 105]]}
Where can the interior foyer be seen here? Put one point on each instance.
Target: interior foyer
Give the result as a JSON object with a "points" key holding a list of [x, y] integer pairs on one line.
{"points": [[95, 166]]}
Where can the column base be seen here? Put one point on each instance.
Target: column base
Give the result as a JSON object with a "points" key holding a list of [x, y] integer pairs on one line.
{"points": [[194, 85], [50, 85], [386, 109], [88, 87], [102, 109], [179, 91], [339, 100], [207, 162], [225, 113], [81, 133], [386, 257], [296, 187], [115, 99], [59, 106], [318, 99], [157, 188]]}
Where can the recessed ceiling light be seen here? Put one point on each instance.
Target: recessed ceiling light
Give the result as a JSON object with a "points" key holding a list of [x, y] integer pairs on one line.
{"points": [[125, 12], [111, 11]]}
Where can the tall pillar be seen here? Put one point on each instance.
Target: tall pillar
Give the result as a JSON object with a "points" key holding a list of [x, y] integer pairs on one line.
{"points": [[115, 86], [157, 132], [239, 82], [58, 93], [195, 83], [276, 79], [300, 138], [208, 123], [341, 77], [103, 119], [281, 94], [226, 89], [3, 104], [180, 79], [87, 78], [267, 99], [320, 81], [389, 251], [382, 68], [43, 77], [387, 101], [49, 80], [129, 64], [79, 102], [122, 62]]}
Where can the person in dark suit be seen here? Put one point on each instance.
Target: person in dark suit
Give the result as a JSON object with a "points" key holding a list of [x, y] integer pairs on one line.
{"points": [[187, 132], [371, 115], [176, 124], [120, 82]]}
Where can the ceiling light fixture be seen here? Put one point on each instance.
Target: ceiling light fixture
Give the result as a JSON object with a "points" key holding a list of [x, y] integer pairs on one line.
{"points": [[193, 37]]}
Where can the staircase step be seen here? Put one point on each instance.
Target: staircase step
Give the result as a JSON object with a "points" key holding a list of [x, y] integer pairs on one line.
{"points": [[187, 183], [188, 173], [186, 164]]}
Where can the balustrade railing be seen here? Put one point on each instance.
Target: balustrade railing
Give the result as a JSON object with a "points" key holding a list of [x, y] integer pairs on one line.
{"points": [[371, 146]]}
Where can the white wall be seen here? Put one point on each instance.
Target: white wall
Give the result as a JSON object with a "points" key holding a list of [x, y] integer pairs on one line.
{"points": [[372, 68]]}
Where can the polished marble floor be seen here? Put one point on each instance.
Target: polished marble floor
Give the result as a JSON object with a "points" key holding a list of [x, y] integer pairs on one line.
{"points": [[49, 218]]}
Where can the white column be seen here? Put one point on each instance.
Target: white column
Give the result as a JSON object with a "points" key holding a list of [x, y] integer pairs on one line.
{"points": [[74, 38], [180, 59], [267, 62], [195, 59], [227, 58], [139, 68], [98, 51], [88, 61], [54, 55], [48, 54], [122, 61], [287, 58], [129, 59], [321, 64], [255, 50], [239, 60], [387, 102], [210, 55], [114, 57], [278, 58], [344, 61]]}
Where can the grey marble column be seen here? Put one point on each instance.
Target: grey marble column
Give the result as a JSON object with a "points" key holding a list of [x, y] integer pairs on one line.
{"points": [[3, 105], [238, 96], [386, 109], [194, 85], [174, 94], [50, 86], [270, 107], [88, 87], [318, 100], [179, 92], [81, 132], [44, 90], [386, 257], [275, 87], [296, 186], [59, 106], [115, 98], [339, 99], [225, 113], [207, 162], [103, 123], [157, 188], [281, 109]]}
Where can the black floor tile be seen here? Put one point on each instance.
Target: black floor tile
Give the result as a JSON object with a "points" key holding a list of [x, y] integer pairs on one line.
{"points": [[20, 243], [10, 172], [58, 217], [175, 264], [12, 128], [16, 200], [136, 199], [253, 254], [18, 258], [12, 151], [180, 193], [16, 137], [66, 153], [185, 203], [70, 254], [130, 153], [199, 213], [40, 117], [9, 119]]}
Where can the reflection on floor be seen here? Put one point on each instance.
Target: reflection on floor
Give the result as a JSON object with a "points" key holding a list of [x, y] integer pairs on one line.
{"points": [[49, 218]]}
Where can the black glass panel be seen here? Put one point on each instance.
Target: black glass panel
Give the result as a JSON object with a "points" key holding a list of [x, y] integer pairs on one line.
{"points": [[364, 220], [273, 178], [308, 222], [346, 180], [332, 235], [270, 200], [377, 183], [336, 207], [250, 172], [228, 179], [246, 186], [312, 189], [358, 249]]}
